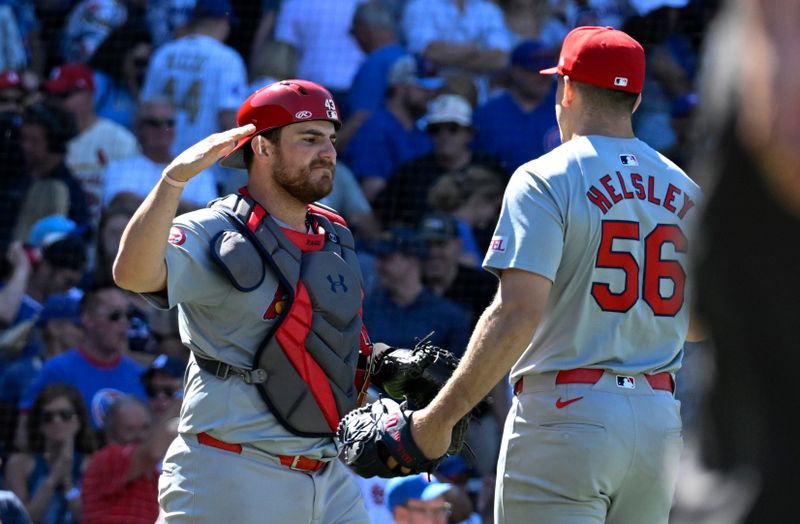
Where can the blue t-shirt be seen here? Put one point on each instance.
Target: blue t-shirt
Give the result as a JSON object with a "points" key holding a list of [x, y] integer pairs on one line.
{"points": [[504, 130], [403, 326], [99, 384], [112, 101], [382, 144], [368, 89]]}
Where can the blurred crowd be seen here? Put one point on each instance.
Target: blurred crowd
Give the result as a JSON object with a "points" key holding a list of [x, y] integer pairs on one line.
{"points": [[441, 101]]}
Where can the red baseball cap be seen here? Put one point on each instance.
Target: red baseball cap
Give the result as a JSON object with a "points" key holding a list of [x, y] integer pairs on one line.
{"points": [[603, 57], [10, 80], [69, 77]]}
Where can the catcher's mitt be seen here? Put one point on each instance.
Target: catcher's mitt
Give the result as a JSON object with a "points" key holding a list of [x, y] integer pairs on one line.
{"points": [[371, 434], [415, 375]]}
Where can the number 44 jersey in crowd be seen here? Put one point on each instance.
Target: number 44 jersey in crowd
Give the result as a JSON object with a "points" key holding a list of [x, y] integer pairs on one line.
{"points": [[608, 221]]}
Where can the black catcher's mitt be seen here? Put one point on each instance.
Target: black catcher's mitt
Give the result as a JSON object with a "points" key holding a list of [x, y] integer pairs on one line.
{"points": [[415, 375], [371, 434]]}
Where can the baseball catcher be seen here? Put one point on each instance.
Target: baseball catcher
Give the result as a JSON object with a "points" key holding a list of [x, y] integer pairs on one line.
{"points": [[374, 434]]}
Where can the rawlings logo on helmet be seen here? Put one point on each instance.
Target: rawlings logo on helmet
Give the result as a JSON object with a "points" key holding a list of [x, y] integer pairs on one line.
{"points": [[303, 114]]}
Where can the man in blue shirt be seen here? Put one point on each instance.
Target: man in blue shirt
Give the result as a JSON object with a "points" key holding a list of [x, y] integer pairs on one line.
{"points": [[402, 310], [520, 125], [390, 136], [98, 367]]}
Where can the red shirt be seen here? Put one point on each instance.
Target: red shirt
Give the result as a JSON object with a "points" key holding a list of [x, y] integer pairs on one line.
{"points": [[107, 499]]}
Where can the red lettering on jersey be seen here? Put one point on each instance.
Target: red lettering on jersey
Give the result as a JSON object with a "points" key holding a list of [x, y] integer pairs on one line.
{"points": [[278, 304], [651, 190], [625, 193], [688, 204], [610, 189], [176, 236], [636, 181], [672, 191], [599, 199]]}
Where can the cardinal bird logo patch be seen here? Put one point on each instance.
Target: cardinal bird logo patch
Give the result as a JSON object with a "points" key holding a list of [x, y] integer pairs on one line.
{"points": [[176, 236]]}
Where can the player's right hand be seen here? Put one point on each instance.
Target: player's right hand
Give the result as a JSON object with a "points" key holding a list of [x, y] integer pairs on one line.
{"points": [[206, 153]]}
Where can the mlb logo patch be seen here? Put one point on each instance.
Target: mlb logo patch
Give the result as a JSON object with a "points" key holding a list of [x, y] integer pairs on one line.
{"points": [[620, 81], [498, 244], [626, 382], [628, 160]]}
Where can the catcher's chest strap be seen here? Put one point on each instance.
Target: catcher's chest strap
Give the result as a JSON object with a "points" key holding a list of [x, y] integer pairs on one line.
{"points": [[222, 371]]}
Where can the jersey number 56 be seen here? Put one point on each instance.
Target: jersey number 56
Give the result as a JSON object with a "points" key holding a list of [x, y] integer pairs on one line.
{"points": [[655, 270]]}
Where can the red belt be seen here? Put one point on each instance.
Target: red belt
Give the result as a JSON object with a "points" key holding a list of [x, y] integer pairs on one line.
{"points": [[297, 462], [662, 381]]}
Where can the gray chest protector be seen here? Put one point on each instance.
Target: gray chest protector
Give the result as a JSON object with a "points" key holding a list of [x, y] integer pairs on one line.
{"points": [[309, 357]]}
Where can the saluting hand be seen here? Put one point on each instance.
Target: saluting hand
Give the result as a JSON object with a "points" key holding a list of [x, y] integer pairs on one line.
{"points": [[206, 153]]}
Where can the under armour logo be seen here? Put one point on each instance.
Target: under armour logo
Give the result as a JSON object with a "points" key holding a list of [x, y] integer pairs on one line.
{"points": [[340, 283]]}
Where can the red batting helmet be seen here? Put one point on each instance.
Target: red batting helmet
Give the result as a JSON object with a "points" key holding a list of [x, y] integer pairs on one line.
{"points": [[280, 104]]}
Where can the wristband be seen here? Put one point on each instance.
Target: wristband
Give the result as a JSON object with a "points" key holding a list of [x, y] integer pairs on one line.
{"points": [[72, 494], [171, 181]]}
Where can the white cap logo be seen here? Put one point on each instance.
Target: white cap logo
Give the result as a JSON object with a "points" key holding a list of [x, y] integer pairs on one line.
{"points": [[303, 114], [620, 81]]}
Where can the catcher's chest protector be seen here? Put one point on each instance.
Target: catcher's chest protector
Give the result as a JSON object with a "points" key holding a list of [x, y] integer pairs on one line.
{"points": [[310, 355]]}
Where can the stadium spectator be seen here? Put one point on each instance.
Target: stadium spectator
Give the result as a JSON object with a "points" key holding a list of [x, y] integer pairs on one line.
{"points": [[119, 65], [449, 124], [443, 271], [121, 480], [329, 55], [375, 30], [390, 136], [88, 25], [45, 132], [266, 25], [98, 367], [12, 510], [57, 327], [270, 63], [98, 141], [473, 198], [163, 382], [46, 476], [415, 499], [520, 124], [21, 37], [203, 78], [402, 310], [155, 130], [166, 19], [533, 19], [464, 34]]}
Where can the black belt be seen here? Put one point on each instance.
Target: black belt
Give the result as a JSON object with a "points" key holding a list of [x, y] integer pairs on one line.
{"points": [[222, 371]]}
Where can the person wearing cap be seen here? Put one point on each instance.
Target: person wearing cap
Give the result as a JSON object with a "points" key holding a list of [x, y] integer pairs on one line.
{"points": [[592, 309], [374, 28], [98, 140], [402, 310], [391, 136], [417, 500], [519, 124], [263, 394], [163, 382], [448, 122], [203, 78]]}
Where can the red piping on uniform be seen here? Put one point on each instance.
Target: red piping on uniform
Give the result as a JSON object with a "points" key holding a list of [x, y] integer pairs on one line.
{"points": [[291, 336]]}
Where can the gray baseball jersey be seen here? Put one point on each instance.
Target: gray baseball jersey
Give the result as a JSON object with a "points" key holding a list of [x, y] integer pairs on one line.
{"points": [[216, 321], [606, 220]]}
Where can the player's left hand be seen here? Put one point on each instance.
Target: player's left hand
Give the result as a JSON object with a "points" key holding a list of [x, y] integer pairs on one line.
{"points": [[206, 153]]}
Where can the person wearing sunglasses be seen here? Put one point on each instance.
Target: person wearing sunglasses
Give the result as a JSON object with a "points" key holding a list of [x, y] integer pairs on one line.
{"points": [[47, 475], [98, 367], [163, 381], [417, 500], [155, 130]]}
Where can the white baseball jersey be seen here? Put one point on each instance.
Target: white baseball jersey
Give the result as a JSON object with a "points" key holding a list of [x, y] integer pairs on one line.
{"points": [[201, 77], [608, 221]]}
